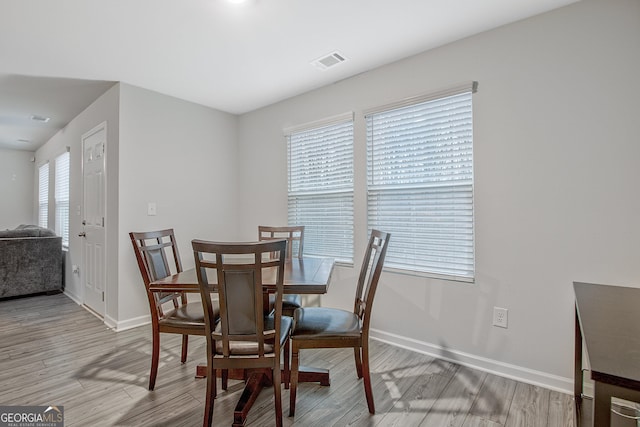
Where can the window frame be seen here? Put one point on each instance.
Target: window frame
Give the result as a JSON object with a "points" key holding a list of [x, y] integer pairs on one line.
{"points": [[62, 196], [338, 193], [43, 195], [440, 268]]}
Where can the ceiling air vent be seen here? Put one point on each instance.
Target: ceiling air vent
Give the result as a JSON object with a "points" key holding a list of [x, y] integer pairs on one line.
{"points": [[41, 119], [328, 61]]}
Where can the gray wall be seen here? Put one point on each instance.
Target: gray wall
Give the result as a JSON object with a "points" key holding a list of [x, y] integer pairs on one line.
{"points": [[182, 157], [16, 187], [104, 109], [556, 200], [160, 149]]}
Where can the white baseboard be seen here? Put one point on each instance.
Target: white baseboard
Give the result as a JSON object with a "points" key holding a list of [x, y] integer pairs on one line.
{"points": [[130, 323], [119, 326], [73, 297], [110, 322], [518, 373]]}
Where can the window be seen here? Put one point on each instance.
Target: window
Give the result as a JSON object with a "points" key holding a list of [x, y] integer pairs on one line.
{"points": [[62, 197], [43, 195], [320, 188], [420, 182]]}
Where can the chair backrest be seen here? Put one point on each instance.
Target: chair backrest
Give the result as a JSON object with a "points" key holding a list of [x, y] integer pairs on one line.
{"points": [[369, 276], [294, 236], [241, 269], [153, 249]]}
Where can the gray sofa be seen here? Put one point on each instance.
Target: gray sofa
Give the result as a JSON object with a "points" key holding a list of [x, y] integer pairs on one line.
{"points": [[30, 261]]}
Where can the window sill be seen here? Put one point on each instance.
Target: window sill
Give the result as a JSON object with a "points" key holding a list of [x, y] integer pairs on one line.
{"points": [[429, 275]]}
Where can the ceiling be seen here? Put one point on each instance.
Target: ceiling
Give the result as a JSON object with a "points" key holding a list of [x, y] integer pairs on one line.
{"points": [[58, 56]]}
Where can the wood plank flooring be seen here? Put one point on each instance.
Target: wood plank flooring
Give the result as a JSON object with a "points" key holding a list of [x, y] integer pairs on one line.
{"points": [[53, 352]]}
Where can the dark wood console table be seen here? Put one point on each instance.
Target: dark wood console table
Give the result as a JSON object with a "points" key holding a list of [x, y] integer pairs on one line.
{"points": [[608, 321]]}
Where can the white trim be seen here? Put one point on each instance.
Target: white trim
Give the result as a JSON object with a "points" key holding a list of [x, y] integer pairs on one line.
{"points": [[123, 325], [496, 367], [442, 93], [110, 322], [333, 120], [73, 297], [419, 273]]}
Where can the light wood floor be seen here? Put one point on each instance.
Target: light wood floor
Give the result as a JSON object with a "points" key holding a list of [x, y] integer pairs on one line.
{"points": [[53, 352]]}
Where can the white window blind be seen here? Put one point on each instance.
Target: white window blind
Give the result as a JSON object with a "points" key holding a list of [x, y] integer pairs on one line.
{"points": [[62, 197], [420, 184], [320, 188], [43, 195]]}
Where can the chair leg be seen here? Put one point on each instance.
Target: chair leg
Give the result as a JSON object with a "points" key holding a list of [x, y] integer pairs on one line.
{"points": [[211, 394], [155, 356], [368, 391], [287, 368], [277, 394], [224, 377], [293, 378], [185, 346], [356, 353]]}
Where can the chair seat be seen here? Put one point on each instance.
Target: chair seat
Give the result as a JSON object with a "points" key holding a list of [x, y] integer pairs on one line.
{"points": [[315, 323], [188, 315], [289, 302], [250, 348]]}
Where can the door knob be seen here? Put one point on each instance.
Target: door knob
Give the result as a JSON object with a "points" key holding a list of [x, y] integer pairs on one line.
{"points": [[83, 234]]}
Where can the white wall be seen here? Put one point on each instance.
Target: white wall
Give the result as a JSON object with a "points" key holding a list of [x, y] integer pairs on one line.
{"points": [[556, 176], [181, 156], [103, 109], [17, 188]]}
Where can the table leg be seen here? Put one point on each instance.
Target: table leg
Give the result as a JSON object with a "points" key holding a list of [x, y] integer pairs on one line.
{"points": [[201, 371], [602, 404], [257, 380], [578, 379], [306, 374]]}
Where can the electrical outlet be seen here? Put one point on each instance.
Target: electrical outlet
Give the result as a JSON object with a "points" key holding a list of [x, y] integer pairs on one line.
{"points": [[500, 317]]}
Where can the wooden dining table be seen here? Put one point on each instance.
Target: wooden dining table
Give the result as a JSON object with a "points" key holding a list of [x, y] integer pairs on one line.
{"points": [[305, 276]]}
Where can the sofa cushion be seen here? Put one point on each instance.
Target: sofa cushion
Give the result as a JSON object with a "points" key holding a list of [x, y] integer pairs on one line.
{"points": [[25, 230]]}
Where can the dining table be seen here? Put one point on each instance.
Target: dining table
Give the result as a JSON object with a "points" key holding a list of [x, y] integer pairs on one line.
{"points": [[305, 276]]}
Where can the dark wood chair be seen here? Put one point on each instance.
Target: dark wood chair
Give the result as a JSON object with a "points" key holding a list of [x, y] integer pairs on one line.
{"points": [[320, 327], [295, 246], [294, 235], [170, 312], [248, 335]]}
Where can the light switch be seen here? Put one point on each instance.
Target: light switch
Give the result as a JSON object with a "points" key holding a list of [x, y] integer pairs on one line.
{"points": [[151, 208]]}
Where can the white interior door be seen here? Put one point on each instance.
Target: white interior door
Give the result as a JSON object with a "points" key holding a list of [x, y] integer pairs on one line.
{"points": [[94, 186]]}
